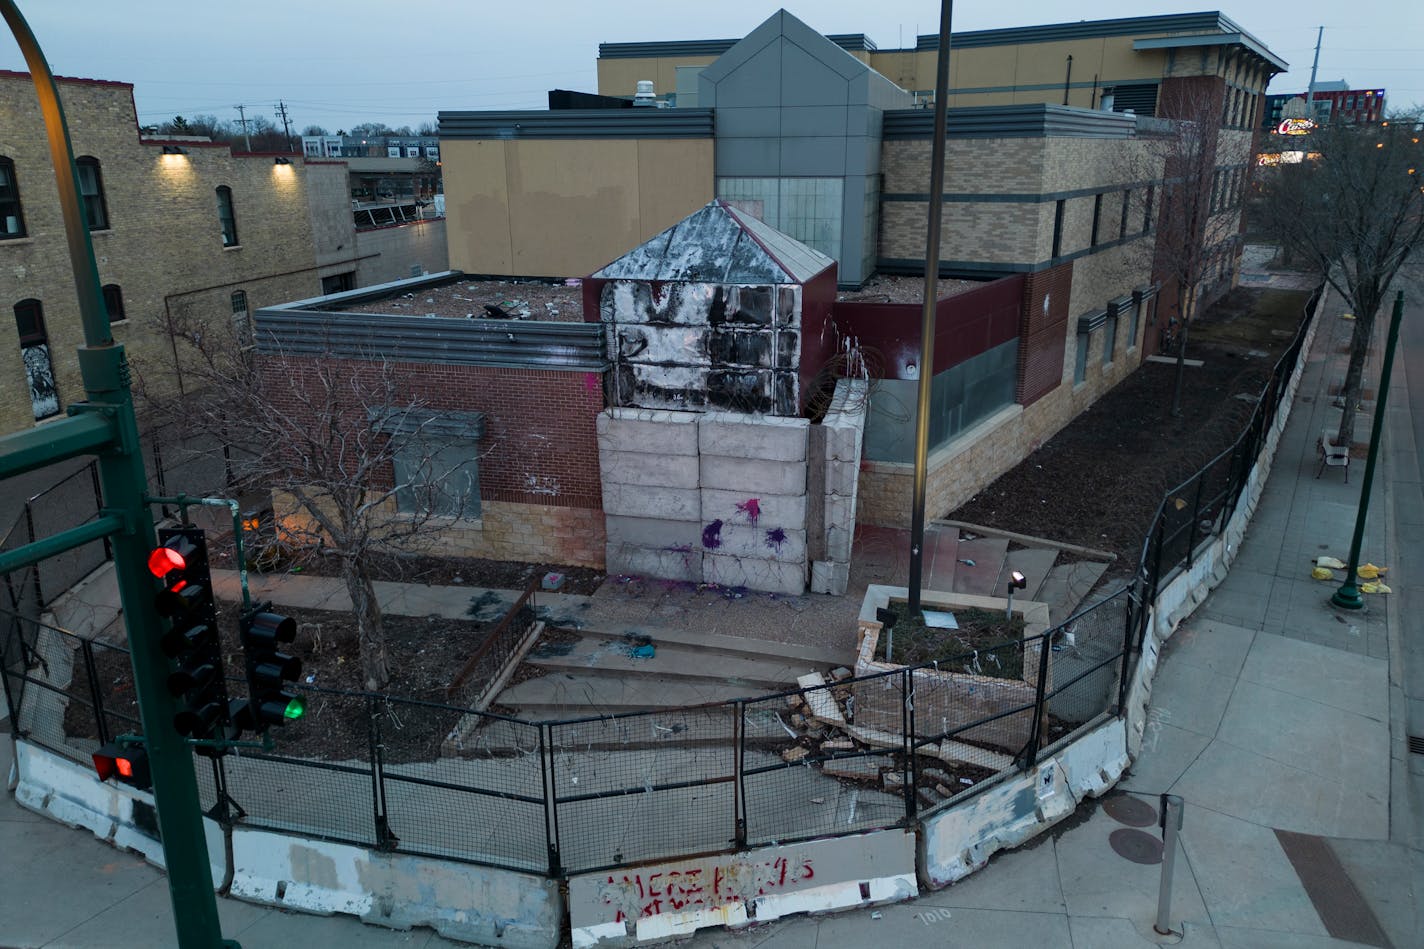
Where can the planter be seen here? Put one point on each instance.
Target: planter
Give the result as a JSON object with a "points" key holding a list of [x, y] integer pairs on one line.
{"points": [[945, 700]]}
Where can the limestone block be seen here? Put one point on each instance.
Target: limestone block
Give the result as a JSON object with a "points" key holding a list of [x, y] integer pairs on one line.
{"points": [[761, 542], [840, 540], [743, 436], [772, 576], [841, 477], [647, 430], [775, 510], [754, 476], [648, 468], [672, 504], [829, 577], [840, 511], [843, 442], [655, 562], [652, 532]]}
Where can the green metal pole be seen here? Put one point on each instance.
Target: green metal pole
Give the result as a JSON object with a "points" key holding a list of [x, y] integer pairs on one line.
{"points": [[105, 372], [927, 326], [1348, 596]]}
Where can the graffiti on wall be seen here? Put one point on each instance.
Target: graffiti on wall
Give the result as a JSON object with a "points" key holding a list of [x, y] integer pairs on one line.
{"points": [[645, 893]]}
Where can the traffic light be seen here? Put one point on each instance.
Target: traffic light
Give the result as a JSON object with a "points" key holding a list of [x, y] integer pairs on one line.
{"points": [[128, 763], [192, 641], [269, 669]]}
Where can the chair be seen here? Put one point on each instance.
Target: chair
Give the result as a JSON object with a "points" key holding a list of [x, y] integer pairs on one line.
{"points": [[1333, 455]]}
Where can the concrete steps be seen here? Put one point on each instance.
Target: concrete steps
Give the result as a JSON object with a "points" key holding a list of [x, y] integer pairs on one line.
{"points": [[561, 695], [1066, 585], [594, 657], [811, 657], [978, 565], [1034, 563]]}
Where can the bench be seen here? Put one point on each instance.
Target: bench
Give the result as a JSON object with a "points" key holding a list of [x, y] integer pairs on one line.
{"points": [[1333, 455]]}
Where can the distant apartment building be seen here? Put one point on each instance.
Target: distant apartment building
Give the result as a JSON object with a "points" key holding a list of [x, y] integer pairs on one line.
{"points": [[1330, 102]]}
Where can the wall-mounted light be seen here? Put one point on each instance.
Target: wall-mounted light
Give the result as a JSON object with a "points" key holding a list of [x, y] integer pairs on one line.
{"points": [[174, 150], [279, 160], [1017, 581]]}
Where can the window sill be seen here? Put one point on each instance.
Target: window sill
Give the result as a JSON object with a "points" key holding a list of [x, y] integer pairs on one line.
{"points": [[13, 241], [101, 232], [232, 247]]}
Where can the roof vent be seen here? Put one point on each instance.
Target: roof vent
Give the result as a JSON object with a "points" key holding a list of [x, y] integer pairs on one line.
{"points": [[645, 95]]}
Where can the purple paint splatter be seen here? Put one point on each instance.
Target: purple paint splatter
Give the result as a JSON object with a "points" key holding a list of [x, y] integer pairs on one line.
{"points": [[751, 507], [712, 535], [775, 538]]}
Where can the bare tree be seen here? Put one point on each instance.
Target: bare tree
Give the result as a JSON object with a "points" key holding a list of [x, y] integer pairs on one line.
{"points": [[1198, 202], [352, 460], [1354, 208]]}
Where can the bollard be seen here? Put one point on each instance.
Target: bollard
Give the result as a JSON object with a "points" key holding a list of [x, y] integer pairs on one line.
{"points": [[1171, 823]]}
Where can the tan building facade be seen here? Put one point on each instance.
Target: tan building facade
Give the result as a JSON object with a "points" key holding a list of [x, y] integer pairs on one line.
{"points": [[181, 231]]}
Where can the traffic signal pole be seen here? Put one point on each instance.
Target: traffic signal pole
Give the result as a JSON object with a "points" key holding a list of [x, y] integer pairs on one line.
{"points": [[105, 424]]}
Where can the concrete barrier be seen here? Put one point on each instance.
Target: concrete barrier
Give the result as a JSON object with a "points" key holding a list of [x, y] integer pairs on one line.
{"points": [[72, 794], [458, 900]]}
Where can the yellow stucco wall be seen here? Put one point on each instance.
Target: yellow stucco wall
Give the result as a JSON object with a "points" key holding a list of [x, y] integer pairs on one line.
{"points": [[619, 77], [563, 207]]}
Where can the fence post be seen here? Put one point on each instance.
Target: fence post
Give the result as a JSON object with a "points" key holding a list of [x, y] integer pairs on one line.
{"points": [[1040, 711], [739, 791], [907, 724], [385, 840], [35, 570], [101, 725], [99, 504], [1191, 554], [1129, 626], [551, 815]]}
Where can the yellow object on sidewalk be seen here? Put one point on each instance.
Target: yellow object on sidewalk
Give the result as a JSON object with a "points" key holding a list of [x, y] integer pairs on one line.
{"points": [[1374, 587], [1330, 562], [1322, 573], [1369, 571]]}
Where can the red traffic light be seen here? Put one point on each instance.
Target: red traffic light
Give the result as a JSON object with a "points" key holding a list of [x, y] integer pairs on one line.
{"points": [[128, 763], [164, 560]]}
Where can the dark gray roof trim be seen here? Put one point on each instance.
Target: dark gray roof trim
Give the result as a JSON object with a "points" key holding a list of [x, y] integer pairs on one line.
{"points": [[1213, 39], [847, 41], [578, 123], [1091, 321], [1086, 29], [515, 344], [1034, 120], [428, 422]]}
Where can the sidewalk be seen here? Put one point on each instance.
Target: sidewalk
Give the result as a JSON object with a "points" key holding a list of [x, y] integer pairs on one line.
{"points": [[1277, 718]]}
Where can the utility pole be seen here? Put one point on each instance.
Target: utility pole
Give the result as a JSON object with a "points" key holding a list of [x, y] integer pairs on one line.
{"points": [[1310, 90], [242, 118], [281, 108], [927, 326]]}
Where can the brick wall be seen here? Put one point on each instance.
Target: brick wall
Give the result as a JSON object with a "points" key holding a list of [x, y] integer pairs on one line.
{"points": [[163, 246], [540, 492]]}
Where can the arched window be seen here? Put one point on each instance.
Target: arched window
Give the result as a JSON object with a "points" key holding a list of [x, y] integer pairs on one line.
{"points": [[34, 351], [114, 303], [12, 215], [226, 218], [91, 193]]}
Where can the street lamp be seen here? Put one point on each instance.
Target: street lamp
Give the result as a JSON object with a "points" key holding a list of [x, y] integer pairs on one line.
{"points": [[1017, 581]]}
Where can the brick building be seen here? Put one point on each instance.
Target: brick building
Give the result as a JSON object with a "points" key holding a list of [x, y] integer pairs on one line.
{"points": [[182, 229]]}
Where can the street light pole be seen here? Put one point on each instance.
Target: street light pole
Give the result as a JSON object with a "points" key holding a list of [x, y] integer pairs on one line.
{"points": [[1348, 596]]}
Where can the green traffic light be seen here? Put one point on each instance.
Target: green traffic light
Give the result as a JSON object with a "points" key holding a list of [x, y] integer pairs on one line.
{"points": [[295, 709]]}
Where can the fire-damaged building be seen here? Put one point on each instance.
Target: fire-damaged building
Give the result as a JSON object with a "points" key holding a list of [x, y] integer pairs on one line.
{"points": [[737, 393]]}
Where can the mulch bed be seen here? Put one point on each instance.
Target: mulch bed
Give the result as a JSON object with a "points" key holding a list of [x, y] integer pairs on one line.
{"points": [[979, 631], [1099, 480]]}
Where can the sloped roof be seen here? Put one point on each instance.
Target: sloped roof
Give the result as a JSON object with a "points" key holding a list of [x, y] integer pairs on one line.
{"points": [[719, 244]]}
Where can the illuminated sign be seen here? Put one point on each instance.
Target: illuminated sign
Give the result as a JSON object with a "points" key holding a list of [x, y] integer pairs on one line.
{"points": [[1295, 127]]}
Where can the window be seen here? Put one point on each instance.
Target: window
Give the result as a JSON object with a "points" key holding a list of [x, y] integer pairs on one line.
{"points": [[311, 148], [432, 152], [393, 151], [1122, 222], [227, 220], [1080, 365], [241, 318], [1147, 210], [34, 352], [337, 283], [114, 303], [1097, 218], [1110, 337], [91, 194], [1134, 319], [1058, 227], [438, 475], [12, 217]]}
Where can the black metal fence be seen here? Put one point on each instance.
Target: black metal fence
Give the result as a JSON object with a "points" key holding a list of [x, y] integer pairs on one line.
{"points": [[561, 797]]}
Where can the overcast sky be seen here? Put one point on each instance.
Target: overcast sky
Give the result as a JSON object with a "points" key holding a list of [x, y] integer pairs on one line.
{"points": [[336, 64]]}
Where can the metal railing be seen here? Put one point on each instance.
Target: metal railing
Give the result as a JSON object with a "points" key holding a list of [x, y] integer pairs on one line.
{"points": [[579, 795]]}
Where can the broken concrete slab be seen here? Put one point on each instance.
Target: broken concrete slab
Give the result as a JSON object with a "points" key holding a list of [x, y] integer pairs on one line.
{"points": [[822, 704]]}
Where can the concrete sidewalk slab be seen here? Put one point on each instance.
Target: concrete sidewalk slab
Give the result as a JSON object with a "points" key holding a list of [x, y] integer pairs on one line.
{"points": [[1167, 752], [1193, 698], [1329, 676], [1216, 646], [1316, 738]]}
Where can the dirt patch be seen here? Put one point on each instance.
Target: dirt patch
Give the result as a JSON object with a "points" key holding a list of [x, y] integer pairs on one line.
{"points": [[972, 644], [1098, 481], [883, 288]]}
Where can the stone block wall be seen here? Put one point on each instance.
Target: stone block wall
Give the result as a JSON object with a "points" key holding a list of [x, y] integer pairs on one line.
{"points": [[714, 497], [837, 444]]}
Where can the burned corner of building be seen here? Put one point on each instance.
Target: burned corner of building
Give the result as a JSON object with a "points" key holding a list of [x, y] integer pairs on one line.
{"points": [[711, 470], [708, 317]]}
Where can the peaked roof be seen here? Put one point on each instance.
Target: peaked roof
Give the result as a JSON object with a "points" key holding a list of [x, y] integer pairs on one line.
{"points": [[719, 244]]}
